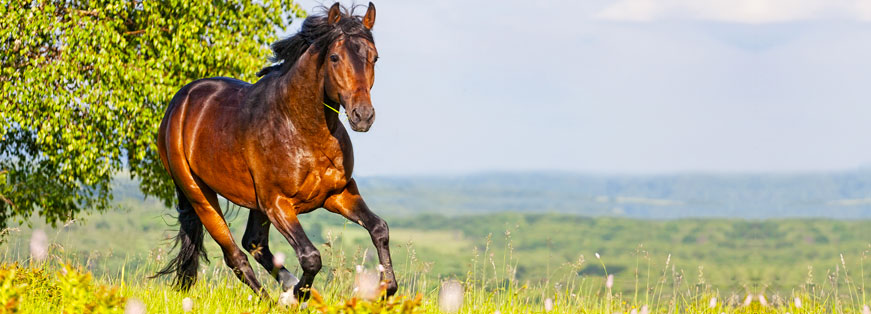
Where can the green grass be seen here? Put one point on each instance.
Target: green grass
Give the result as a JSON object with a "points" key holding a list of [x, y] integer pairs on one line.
{"points": [[488, 286], [507, 262], [769, 255]]}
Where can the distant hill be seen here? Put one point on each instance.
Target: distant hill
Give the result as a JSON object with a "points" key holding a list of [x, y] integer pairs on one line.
{"points": [[842, 195]]}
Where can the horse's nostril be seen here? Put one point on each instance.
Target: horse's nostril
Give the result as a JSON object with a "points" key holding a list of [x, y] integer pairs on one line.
{"points": [[356, 114]]}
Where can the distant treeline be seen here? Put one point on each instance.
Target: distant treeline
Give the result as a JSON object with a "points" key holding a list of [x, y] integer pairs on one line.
{"points": [[842, 195]]}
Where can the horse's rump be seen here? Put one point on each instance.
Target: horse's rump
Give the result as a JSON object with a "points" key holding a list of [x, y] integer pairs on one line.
{"points": [[212, 120]]}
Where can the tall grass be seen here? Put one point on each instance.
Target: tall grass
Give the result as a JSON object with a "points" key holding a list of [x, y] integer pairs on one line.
{"points": [[62, 282]]}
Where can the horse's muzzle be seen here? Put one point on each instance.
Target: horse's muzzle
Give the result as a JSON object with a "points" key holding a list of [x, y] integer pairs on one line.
{"points": [[361, 118]]}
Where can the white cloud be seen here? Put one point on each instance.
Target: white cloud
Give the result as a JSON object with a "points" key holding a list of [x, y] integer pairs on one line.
{"points": [[737, 11]]}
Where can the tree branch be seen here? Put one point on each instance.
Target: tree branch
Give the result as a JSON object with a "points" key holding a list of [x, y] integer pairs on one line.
{"points": [[138, 32], [134, 32], [7, 201], [88, 13]]}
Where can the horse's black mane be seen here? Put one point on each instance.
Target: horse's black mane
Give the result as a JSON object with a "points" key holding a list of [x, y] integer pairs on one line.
{"points": [[318, 32]]}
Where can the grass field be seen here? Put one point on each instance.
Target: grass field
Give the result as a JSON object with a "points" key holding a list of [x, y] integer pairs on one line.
{"points": [[510, 263]]}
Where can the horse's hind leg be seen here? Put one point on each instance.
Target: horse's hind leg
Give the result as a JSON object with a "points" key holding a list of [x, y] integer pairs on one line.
{"points": [[205, 202], [256, 241], [171, 146]]}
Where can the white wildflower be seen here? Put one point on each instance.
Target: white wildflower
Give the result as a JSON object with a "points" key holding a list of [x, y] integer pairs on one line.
{"points": [[38, 245], [633, 311], [278, 259], [451, 296], [644, 310], [610, 281], [380, 268], [134, 306], [548, 305], [187, 305], [762, 300], [367, 285], [748, 300], [249, 297], [712, 303], [797, 302], [597, 255], [866, 310], [286, 299]]}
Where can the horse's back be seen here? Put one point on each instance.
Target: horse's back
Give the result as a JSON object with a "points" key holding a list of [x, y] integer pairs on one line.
{"points": [[189, 94], [210, 87], [188, 99], [203, 131]]}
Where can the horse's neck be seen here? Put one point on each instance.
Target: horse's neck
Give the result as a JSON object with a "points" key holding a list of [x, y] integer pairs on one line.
{"points": [[302, 98]]}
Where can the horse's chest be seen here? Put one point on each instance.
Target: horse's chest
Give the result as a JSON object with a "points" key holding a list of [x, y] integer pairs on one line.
{"points": [[317, 179], [325, 179]]}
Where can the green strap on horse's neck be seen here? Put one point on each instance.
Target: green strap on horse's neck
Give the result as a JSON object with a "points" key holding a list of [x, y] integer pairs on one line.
{"points": [[334, 109]]}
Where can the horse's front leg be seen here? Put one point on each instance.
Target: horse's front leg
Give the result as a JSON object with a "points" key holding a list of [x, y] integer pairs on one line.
{"points": [[350, 204], [287, 224]]}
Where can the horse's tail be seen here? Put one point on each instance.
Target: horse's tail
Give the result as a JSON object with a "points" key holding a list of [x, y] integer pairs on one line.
{"points": [[190, 242]]}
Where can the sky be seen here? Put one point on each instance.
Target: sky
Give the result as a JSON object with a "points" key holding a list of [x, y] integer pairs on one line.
{"points": [[619, 87]]}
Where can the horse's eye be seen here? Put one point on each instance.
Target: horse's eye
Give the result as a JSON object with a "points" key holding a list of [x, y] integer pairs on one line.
{"points": [[375, 60], [334, 58]]}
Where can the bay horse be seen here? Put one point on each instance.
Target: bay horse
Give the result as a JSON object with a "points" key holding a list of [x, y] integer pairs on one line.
{"points": [[275, 148]]}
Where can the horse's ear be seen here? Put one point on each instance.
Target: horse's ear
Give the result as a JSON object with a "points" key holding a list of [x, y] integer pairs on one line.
{"points": [[335, 14], [369, 18]]}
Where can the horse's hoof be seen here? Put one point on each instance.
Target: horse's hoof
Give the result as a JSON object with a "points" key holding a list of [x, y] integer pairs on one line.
{"points": [[287, 280], [391, 289]]}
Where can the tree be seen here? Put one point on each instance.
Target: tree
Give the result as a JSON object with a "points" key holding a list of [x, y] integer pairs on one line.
{"points": [[84, 84]]}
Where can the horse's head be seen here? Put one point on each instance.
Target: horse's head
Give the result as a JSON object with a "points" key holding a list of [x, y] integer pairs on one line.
{"points": [[349, 66]]}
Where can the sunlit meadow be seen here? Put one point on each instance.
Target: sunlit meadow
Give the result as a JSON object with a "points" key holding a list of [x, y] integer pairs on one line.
{"points": [[48, 278]]}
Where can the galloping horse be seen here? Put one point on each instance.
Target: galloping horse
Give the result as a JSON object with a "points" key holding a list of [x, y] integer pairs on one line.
{"points": [[275, 148]]}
